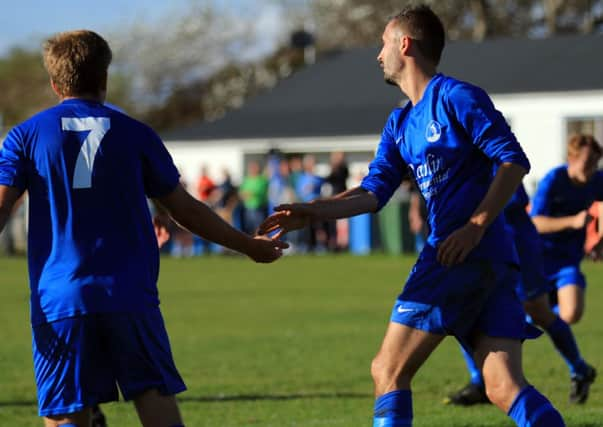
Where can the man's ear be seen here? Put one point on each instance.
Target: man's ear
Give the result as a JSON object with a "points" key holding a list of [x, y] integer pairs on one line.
{"points": [[405, 44]]}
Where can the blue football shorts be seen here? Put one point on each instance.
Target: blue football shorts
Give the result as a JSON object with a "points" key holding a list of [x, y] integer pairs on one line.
{"points": [[80, 361], [532, 281], [559, 277], [472, 297]]}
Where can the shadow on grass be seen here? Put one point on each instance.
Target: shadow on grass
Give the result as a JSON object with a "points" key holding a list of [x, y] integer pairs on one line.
{"points": [[238, 398]]}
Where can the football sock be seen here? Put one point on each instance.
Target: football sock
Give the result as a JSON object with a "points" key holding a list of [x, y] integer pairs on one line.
{"points": [[532, 409], [393, 409], [564, 341], [476, 375]]}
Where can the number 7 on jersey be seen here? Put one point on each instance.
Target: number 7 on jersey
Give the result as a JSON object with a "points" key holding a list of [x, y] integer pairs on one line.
{"points": [[98, 127]]}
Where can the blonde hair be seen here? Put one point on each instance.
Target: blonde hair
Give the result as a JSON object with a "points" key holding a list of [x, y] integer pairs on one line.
{"points": [[77, 62]]}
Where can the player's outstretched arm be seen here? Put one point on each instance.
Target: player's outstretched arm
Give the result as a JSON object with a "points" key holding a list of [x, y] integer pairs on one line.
{"points": [[458, 245], [198, 218], [549, 224], [8, 198], [289, 217]]}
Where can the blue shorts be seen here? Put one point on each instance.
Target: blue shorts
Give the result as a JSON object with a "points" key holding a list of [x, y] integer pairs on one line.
{"points": [[532, 281], [566, 275], [463, 300], [79, 361]]}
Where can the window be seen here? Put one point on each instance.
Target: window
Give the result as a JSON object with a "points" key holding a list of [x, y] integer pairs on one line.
{"points": [[590, 125]]}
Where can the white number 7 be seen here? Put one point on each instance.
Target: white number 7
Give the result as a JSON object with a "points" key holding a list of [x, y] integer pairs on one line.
{"points": [[98, 127]]}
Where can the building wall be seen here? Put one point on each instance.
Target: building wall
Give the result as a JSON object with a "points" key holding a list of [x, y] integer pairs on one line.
{"points": [[538, 120], [540, 123], [189, 157]]}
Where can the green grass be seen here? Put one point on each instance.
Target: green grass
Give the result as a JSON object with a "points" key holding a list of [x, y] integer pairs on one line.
{"points": [[290, 344]]}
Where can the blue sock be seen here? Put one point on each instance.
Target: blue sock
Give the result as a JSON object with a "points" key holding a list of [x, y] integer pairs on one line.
{"points": [[565, 343], [393, 409], [476, 375], [532, 409]]}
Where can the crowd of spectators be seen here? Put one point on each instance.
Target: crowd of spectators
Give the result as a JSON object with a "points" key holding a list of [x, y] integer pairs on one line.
{"points": [[278, 180]]}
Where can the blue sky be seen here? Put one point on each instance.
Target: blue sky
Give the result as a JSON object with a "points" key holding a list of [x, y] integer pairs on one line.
{"points": [[27, 22]]}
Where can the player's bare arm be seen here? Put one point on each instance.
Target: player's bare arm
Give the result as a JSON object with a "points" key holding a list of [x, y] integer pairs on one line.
{"points": [[548, 224], [458, 245], [8, 198], [198, 218], [289, 217]]}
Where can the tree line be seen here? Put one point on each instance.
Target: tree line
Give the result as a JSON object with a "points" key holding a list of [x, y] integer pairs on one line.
{"points": [[207, 60]]}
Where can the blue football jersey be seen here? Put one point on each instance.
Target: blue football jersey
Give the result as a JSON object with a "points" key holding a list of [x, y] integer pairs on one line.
{"points": [[515, 212], [557, 196], [451, 142], [519, 200], [87, 169]]}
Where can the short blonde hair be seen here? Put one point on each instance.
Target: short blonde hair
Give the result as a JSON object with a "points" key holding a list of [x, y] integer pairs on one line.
{"points": [[77, 62], [579, 141]]}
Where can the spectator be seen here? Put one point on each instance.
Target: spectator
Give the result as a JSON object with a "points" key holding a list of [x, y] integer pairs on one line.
{"points": [[182, 241], [205, 185], [254, 192], [417, 215], [309, 188], [228, 201], [279, 187], [295, 170], [335, 183], [338, 177]]}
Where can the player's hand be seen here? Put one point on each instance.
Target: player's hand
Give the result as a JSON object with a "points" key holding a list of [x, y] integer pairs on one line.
{"points": [[160, 224], [265, 250], [580, 220], [457, 246], [287, 218]]}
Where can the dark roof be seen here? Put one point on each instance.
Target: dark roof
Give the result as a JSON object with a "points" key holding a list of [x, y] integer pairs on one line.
{"points": [[344, 93]]}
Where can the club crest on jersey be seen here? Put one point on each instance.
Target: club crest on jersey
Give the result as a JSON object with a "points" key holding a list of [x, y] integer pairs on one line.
{"points": [[433, 131]]}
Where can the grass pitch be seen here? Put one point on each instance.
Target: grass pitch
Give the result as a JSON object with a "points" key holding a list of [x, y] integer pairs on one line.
{"points": [[290, 344]]}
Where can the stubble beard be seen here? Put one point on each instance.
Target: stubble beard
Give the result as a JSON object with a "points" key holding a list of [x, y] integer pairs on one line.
{"points": [[390, 80]]}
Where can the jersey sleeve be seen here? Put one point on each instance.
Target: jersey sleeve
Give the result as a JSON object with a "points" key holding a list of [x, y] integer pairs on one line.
{"points": [[541, 202], [387, 169], [13, 164], [160, 174], [486, 126]]}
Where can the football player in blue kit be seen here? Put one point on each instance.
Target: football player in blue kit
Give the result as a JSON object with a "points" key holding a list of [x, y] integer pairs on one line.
{"points": [[533, 289], [92, 253], [450, 139], [560, 213]]}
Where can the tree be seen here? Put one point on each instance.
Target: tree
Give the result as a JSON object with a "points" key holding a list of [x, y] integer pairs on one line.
{"points": [[189, 47], [352, 23], [24, 86]]}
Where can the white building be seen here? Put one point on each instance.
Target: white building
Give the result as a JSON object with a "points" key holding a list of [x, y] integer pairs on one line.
{"points": [[546, 88]]}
